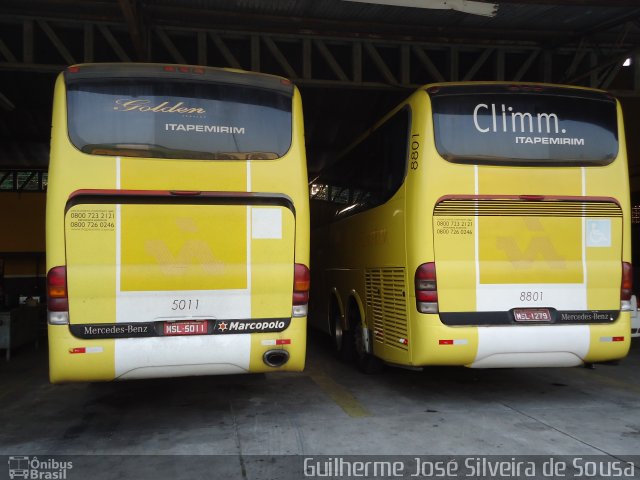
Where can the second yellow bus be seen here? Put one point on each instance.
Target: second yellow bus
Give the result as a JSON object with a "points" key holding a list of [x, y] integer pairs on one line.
{"points": [[478, 224]]}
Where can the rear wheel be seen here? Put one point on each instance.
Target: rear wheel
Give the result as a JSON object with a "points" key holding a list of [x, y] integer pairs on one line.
{"points": [[342, 339], [365, 361]]}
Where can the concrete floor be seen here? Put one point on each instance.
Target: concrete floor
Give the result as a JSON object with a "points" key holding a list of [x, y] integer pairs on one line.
{"points": [[330, 409]]}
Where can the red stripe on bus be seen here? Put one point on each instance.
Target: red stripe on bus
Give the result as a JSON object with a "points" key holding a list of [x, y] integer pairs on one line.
{"points": [[520, 197]]}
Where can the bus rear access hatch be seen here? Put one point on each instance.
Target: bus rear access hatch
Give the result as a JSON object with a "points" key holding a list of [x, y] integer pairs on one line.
{"points": [[155, 263]]}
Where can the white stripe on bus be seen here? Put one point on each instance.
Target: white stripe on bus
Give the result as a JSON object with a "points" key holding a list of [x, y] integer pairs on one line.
{"points": [[532, 346], [156, 357]]}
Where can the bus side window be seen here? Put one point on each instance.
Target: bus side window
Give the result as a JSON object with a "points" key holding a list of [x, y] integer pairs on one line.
{"points": [[372, 171], [394, 152], [377, 165]]}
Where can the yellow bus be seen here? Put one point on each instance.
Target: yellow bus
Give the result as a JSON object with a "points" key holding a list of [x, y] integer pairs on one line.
{"points": [[177, 223], [478, 224]]}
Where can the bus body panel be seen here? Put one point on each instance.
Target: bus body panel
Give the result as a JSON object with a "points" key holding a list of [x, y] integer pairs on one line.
{"points": [[380, 285], [148, 263], [528, 261], [238, 257]]}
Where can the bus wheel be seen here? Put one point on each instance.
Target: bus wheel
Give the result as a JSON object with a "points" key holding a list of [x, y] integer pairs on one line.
{"points": [[366, 362], [342, 339]]}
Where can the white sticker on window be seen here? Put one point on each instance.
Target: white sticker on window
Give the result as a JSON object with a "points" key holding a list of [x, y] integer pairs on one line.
{"points": [[598, 233], [266, 223]]}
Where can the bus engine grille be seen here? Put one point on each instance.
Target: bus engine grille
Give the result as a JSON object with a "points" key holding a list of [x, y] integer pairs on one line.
{"points": [[387, 305], [561, 207]]}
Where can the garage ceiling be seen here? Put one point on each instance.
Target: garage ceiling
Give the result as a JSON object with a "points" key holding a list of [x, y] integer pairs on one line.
{"points": [[352, 60]]}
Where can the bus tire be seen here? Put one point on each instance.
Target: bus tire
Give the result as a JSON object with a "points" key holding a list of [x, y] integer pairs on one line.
{"points": [[366, 362], [341, 339]]}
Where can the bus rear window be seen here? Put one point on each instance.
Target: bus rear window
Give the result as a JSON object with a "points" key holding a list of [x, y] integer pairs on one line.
{"points": [[171, 119], [515, 125]]}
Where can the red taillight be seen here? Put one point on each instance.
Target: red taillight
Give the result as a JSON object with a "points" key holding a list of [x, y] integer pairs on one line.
{"points": [[426, 288], [525, 88], [426, 276], [73, 69], [57, 300], [626, 288], [182, 69], [301, 283], [426, 296], [300, 298]]}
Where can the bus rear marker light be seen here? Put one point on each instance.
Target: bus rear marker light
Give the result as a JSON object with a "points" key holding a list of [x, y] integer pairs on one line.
{"points": [[280, 341], [612, 339], [460, 341], [76, 350]]}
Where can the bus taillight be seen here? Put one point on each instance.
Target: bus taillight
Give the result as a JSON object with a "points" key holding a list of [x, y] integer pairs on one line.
{"points": [[301, 283], [183, 69], [426, 288], [57, 296], [626, 288]]}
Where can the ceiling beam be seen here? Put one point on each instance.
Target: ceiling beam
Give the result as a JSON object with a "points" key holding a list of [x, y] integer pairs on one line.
{"points": [[347, 28], [60, 46], [403, 64], [136, 27]]}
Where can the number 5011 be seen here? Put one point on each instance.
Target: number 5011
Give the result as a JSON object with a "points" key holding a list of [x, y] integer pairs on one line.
{"points": [[185, 305]]}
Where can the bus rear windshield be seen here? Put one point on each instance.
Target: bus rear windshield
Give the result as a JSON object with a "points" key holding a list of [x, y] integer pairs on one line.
{"points": [[171, 119], [524, 126]]}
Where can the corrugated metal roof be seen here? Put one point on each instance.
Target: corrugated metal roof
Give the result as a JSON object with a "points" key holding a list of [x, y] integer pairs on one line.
{"points": [[559, 18]]}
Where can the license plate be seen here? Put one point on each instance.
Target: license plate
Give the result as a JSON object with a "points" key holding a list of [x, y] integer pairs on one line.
{"points": [[532, 315], [190, 327]]}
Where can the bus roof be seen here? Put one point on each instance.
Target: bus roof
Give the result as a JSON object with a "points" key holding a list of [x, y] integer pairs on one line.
{"points": [[534, 87], [191, 73]]}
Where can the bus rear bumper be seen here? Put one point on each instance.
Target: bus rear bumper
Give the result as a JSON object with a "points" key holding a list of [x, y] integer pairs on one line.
{"points": [[522, 346], [73, 359], [550, 346]]}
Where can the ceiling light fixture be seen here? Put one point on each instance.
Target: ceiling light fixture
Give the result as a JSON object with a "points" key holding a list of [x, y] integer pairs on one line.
{"points": [[466, 6]]}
